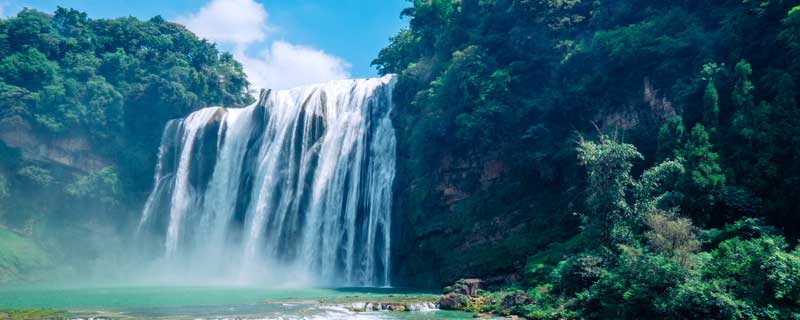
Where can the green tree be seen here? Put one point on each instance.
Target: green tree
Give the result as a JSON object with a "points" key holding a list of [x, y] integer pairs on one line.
{"points": [[102, 186], [673, 236], [401, 52], [671, 137], [608, 168], [790, 35], [29, 69], [786, 90], [617, 202], [704, 173], [759, 271], [104, 108], [742, 97], [711, 107]]}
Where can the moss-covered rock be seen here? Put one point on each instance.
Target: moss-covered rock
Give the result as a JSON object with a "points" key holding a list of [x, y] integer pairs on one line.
{"points": [[515, 299], [453, 301]]}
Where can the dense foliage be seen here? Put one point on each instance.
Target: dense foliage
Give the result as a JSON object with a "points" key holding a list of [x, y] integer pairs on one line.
{"points": [[100, 90], [703, 91], [710, 82], [117, 81], [658, 264]]}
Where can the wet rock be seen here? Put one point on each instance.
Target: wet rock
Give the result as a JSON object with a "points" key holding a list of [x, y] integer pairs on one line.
{"points": [[452, 301], [396, 307], [467, 287], [518, 298]]}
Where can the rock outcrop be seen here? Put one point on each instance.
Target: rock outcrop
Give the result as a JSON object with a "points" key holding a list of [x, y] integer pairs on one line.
{"points": [[458, 295], [453, 301], [467, 287], [515, 299], [398, 306], [471, 295], [70, 150]]}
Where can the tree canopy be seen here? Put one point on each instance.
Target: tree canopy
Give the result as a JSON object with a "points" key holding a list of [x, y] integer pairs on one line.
{"points": [[116, 81]]}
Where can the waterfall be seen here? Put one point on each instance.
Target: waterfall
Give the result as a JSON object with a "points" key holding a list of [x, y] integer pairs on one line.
{"points": [[298, 183]]}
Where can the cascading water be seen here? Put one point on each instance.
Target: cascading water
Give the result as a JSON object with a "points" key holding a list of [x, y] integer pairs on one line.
{"points": [[297, 183]]}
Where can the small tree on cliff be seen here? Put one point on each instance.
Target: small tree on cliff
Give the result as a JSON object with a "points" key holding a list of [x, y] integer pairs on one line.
{"points": [[711, 106], [704, 180], [608, 169], [617, 202]]}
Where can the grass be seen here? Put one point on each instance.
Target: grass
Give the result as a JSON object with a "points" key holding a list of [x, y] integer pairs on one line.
{"points": [[25, 314]]}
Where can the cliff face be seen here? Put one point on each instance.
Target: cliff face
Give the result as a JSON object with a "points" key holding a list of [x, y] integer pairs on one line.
{"points": [[37, 213], [459, 216], [71, 151], [56, 188]]}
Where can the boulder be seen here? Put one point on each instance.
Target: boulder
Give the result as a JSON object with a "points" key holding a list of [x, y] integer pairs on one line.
{"points": [[452, 301], [515, 299], [467, 287], [396, 307]]}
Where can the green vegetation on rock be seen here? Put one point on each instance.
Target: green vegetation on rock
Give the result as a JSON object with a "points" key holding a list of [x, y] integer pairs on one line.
{"points": [[493, 96], [667, 126], [649, 262]]}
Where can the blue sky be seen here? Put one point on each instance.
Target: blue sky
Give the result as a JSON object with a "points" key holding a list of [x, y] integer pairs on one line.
{"points": [[281, 43]]}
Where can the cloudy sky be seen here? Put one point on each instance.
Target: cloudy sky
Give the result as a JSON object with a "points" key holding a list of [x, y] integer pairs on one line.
{"points": [[281, 43]]}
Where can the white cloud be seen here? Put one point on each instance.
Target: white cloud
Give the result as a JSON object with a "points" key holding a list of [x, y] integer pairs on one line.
{"points": [[286, 65], [239, 22], [279, 65]]}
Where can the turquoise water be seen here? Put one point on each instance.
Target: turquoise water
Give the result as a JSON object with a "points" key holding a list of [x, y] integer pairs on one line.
{"points": [[219, 302]]}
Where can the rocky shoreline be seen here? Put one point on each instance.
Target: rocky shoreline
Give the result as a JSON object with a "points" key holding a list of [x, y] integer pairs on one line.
{"points": [[470, 295], [390, 306], [392, 302]]}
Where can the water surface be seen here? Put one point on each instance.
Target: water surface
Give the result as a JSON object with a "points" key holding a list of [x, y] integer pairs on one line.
{"points": [[219, 302]]}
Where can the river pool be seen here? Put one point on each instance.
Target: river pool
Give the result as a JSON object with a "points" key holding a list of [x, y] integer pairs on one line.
{"points": [[223, 302]]}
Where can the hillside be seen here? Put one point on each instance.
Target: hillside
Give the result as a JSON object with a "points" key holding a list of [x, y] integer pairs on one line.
{"points": [[605, 158], [82, 106]]}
